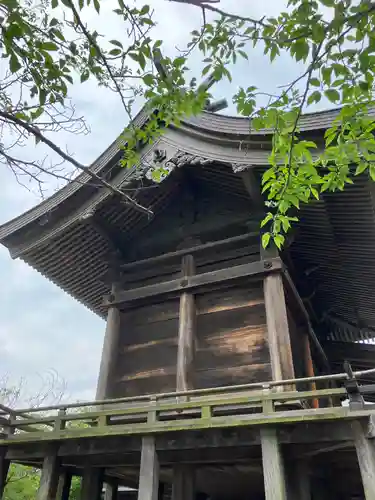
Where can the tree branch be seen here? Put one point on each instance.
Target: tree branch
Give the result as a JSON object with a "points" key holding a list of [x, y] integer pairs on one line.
{"points": [[37, 133]]}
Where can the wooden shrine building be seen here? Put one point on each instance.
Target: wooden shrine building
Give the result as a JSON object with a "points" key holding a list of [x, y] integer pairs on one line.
{"points": [[204, 328]]}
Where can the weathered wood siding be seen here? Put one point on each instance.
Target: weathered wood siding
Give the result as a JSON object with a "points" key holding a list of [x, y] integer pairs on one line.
{"points": [[231, 337], [146, 361]]}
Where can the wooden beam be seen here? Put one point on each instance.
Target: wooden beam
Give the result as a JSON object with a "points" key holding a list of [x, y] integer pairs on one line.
{"points": [[4, 469], [92, 483], [198, 282], [183, 487], [49, 478], [366, 458], [273, 467], [64, 484], [186, 332], [220, 244], [109, 351], [149, 470], [252, 187]]}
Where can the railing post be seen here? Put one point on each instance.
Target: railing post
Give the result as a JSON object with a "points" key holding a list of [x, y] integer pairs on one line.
{"points": [[4, 468], [149, 470], [49, 478]]}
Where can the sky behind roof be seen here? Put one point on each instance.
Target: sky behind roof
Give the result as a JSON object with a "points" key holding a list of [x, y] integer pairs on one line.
{"points": [[42, 329]]}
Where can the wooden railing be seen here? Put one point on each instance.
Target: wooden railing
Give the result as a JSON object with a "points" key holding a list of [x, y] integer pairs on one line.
{"points": [[231, 406]]}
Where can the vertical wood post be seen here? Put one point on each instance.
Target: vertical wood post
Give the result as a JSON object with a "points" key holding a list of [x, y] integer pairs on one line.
{"points": [[149, 471], [183, 487], [298, 480], [49, 478], [111, 490], [4, 468], [366, 458], [273, 467], [64, 484], [186, 332], [110, 346], [309, 366], [92, 483], [277, 323]]}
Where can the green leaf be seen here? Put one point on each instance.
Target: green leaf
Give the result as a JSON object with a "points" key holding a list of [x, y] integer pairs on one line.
{"points": [[148, 79], [115, 52], [50, 46], [314, 97], [279, 240], [314, 82], [332, 95], [85, 76], [372, 172], [14, 64], [97, 6], [267, 218], [361, 167], [54, 4], [266, 239], [117, 43]]}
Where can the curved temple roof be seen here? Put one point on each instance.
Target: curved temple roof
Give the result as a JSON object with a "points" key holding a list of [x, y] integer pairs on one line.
{"points": [[333, 247]]}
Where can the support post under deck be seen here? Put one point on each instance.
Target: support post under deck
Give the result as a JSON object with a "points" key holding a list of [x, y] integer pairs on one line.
{"points": [[111, 490], [183, 482], [4, 468], [49, 478], [64, 484], [92, 483], [366, 458], [149, 471], [273, 467]]}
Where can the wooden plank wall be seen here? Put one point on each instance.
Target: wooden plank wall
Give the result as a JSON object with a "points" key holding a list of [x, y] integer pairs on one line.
{"points": [[146, 361], [231, 333], [232, 337]]}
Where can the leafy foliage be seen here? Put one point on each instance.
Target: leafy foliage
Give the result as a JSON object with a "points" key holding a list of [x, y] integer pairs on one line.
{"points": [[48, 48]]}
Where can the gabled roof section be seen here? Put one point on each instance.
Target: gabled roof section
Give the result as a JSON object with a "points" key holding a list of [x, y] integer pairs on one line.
{"points": [[219, 131]]}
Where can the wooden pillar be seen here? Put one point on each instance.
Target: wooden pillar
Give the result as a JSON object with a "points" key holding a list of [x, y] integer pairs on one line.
{"points": [[64, 484], [111, 490], [4, 468], [149, 470], [110, 347], [186, 332], [298, 480], [49, 478], [277, 323], [92, 483], [183, 487], [366, 458], [273, 467]]}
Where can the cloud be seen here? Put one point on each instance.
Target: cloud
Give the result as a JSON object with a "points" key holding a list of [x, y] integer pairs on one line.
{"points": [[41, 327]]}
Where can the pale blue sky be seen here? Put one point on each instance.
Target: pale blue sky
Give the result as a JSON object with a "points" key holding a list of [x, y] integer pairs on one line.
{"points": [[41, 327]]}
